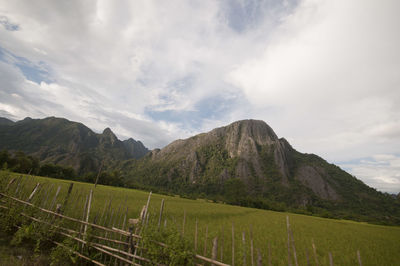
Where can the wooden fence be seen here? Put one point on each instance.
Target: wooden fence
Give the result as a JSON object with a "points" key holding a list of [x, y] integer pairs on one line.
{"points": [[112, 234], [116, 238]]}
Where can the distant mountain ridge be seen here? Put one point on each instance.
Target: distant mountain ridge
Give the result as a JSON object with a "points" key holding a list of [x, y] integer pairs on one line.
{"points": [[246, 163], [60, 141]]}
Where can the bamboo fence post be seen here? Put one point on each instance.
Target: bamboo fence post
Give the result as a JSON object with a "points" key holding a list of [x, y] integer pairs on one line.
{"points": [[108, 225], [259, 258], [142, 219], [195, 237], [98, 174], [83, 217], [71, 185], [114, 224], [251, 246], [147, 206], [315, 252], [18, 185], [88, 211], [205, 242], [45, 190], [55, 198], [161, 212], [359, 257], [244, 247], [47, 195], [33, 192], [233, 244], [288, 240], [74, 198], [330, 259], [10, 183], [214, 252]]}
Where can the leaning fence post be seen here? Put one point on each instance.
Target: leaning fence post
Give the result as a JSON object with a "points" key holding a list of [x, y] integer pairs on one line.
{"points": [[214, 251], [71, 185], [259, 258], [33, 192], [147, 208], [330, 259], [293, 247], [205, 241], [161, 211], [359, 257], [315, 252], [88, 211]]}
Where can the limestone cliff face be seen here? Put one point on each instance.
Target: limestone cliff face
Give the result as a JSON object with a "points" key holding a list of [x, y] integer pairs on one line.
{"points": [[249, 150]]}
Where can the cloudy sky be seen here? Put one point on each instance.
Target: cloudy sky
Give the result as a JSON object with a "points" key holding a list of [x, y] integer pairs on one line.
{"points": [[323, 74]]}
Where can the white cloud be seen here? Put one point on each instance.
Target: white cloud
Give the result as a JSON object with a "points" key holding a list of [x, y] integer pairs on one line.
{"points": [[381, 171], [331, 69], [323, 74]]}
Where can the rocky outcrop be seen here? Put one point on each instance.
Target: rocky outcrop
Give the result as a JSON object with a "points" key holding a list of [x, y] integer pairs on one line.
{"points": [[248, 150]]}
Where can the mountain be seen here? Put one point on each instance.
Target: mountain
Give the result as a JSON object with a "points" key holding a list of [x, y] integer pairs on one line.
{"points": [[60, 141], [246, 163], [5, 121]]}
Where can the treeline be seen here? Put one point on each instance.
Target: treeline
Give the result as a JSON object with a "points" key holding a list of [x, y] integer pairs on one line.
{"points": [[26, 164]]}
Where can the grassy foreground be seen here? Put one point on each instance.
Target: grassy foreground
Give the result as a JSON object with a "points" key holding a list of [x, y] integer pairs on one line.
{"points": [[378, 245]]}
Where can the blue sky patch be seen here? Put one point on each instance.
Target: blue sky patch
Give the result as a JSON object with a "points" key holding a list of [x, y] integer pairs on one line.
{"points": [[7, 24], [36, 72], [209, 108]]}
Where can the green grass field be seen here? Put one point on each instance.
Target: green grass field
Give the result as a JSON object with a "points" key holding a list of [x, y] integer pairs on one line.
{"points": [[378, 245]]}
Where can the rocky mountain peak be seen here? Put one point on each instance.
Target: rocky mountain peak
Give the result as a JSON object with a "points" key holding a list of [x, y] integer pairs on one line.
{"points": [[243, 137]]}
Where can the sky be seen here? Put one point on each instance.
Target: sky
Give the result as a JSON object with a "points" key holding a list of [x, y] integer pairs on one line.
{"points": [[323, 74]]}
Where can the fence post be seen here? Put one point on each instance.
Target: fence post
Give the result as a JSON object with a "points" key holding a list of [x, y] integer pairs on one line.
{"points": [[214, 249], [259, 258], [330, 259], [315, 252], [88, 211], [205, 242], [161, 212], [359, 257], [33, 192]]}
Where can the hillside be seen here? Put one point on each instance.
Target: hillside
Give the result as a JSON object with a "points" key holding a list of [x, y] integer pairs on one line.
{"points": [[378, 245], [245, 163], [60, 141]]}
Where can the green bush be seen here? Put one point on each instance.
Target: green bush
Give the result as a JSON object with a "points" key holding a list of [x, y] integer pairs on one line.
{"points": [[177, 251]]}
